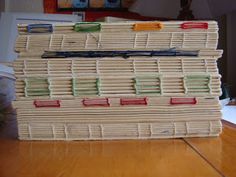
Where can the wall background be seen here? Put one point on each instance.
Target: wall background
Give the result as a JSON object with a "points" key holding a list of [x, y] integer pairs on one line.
{"points": [[231, 51], [23, 6]]}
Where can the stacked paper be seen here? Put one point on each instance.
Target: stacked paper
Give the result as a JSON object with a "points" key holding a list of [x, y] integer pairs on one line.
{"points": [[123, 80]]}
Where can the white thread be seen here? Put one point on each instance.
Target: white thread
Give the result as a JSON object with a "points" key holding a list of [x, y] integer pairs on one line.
{"points": [[207, 39], [108, 101], [66, 131], [97, 67], [48, 79], [134, 66], [50, 42], [63, 41], [26, 87], [49, 87], [147, 42], [53, 131], [74, 86], [48, 67], [185, 85], [158, 65], [25, 67], [187, 127], [72, 68], [205, 63], [160, 83], [30, 131], [135, 39], [27, 42], [209, 84], [102, 130], [183, 40], [99, 40], [151, 130], [139, 130], [182, 65], [210, 127], [171, 39], [86, 41], [89, 131], [175, 130]]}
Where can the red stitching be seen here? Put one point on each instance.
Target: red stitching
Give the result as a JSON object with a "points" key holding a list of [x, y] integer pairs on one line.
{"points": [[47, 103], [133, 101], [192, 25], [96, 102], [174, 101]]}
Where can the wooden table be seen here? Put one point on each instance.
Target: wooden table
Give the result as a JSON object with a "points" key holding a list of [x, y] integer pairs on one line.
{"points": [[190, 157]]}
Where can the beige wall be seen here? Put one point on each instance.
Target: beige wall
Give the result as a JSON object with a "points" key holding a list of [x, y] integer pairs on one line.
{"points": [[35, 6]]}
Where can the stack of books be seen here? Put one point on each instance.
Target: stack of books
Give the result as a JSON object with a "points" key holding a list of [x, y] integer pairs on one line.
{"points": [[124, 80]]}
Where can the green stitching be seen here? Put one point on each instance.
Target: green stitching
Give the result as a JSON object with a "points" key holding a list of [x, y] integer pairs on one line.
{"points": [[36, 87], [160, 84], [98, 84], [140, 87], [26, 86], [90, 90], [149, 92], [74, 87], [197, 83], [136, 86], [87, 27], [49, 87]]}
